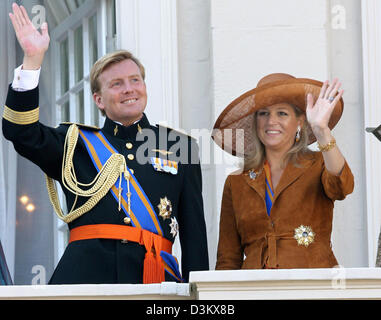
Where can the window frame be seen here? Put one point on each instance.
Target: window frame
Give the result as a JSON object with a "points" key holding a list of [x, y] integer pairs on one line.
{"points": [[66, 29]]}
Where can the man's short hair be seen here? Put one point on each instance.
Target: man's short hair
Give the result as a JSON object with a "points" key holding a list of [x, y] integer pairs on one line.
{"points": [[107, 61]]}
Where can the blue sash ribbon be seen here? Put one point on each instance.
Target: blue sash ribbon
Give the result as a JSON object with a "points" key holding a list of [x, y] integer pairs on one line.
{"points": [[269, 194]]}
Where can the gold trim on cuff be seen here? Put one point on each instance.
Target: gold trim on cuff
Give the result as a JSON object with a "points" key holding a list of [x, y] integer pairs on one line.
{"points": [[23, 118]]}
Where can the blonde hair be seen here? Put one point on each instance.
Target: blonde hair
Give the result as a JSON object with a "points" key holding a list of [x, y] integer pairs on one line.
{"points": [[257, 157], [107, 61]]}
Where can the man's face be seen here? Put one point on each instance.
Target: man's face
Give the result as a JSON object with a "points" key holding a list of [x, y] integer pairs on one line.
{"points": [[123, 95]]}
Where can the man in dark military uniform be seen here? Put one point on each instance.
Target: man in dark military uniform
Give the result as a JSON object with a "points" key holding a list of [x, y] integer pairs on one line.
{"points": [[131, 186]]}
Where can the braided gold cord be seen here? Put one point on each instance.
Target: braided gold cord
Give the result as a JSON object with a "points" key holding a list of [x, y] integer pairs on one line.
{"points": [[114, 167], [114, 164]]}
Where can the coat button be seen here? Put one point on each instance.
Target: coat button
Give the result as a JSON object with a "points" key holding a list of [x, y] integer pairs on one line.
{"points": [[124, 241], [129, 145], [130, 157], [127, 220], [132, 171]]}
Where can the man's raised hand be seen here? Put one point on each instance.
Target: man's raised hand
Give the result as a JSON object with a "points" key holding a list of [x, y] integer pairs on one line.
{"points": [[33, 43]]}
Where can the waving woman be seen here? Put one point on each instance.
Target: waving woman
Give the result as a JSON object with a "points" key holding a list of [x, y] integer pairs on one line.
{"points": [[278, 212]]}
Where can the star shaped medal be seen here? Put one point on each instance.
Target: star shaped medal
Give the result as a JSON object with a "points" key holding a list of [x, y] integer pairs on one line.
{"points": [[165, 208], [174, 227]]}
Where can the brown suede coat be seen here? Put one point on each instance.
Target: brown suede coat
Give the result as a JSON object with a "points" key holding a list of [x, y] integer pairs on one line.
{"points": [[250, 239]]}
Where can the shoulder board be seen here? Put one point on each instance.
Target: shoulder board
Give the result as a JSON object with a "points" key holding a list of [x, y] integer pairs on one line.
{"points": [[179, 131], [80, 125]]}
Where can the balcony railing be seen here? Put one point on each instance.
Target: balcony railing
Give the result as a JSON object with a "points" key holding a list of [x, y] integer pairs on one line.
{"points": [[335, 283]]}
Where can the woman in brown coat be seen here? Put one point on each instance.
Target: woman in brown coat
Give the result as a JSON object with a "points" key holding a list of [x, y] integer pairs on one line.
{"points": [[277, 212]]}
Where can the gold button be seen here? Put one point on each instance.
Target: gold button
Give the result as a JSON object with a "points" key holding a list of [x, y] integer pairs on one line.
{"points": [[129, 145], [124, 241], [132, 171], [127, 220], [130, 157]]}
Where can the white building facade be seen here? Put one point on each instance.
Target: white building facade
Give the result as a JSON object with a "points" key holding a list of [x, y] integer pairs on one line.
{"points": [[199, 56]]}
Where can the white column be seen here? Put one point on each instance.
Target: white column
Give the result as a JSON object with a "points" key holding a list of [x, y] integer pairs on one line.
{"points": [[344, 56], [8, 156], [148, 29], [196, 100], [371, 25]]}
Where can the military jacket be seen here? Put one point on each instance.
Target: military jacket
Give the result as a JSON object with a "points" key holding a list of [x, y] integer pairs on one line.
{"points": [[115, 261]]}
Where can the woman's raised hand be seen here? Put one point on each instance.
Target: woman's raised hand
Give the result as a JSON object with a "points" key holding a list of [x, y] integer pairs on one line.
{"points": [[33, 43], [319, 112]]}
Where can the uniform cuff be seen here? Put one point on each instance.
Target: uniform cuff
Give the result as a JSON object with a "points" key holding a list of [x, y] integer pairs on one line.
{"points": [[25, 80], [21, 107]]}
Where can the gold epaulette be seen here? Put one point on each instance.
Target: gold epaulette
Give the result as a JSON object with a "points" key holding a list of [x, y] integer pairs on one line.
{"points": [[80, 125], [21, 117], [179, 131]]}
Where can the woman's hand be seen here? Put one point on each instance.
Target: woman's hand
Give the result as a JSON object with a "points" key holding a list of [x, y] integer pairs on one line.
{"points": [[319, 113], [33, 43]]}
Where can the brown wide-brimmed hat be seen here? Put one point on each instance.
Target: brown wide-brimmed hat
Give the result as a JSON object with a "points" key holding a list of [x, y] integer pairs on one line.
{"points": [[233, 130]]}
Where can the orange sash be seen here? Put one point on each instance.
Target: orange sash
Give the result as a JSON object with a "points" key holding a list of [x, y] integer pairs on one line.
{"points": [[154, 244]]}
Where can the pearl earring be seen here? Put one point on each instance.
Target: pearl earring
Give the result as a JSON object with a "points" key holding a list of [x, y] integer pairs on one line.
{"points": [[297, 137]]}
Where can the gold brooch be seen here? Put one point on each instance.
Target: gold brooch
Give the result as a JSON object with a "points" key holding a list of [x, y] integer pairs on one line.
{"points": [[165, 208], [304, 235]]}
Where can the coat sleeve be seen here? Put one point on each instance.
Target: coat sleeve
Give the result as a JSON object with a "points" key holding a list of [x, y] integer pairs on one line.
{"points": [[192, 228], [229, 252], [31, 139], [338, 187]]}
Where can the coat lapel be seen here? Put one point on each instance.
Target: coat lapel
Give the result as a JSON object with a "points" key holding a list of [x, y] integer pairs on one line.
{"points": [[290, 174], [257, 184]]}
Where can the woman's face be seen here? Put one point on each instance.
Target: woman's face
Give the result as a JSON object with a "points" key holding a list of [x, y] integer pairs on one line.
{"points": [[277, 126]]}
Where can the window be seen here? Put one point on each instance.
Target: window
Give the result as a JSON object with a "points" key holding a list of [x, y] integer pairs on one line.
{"points": [[85, 34], [77, 43]]}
